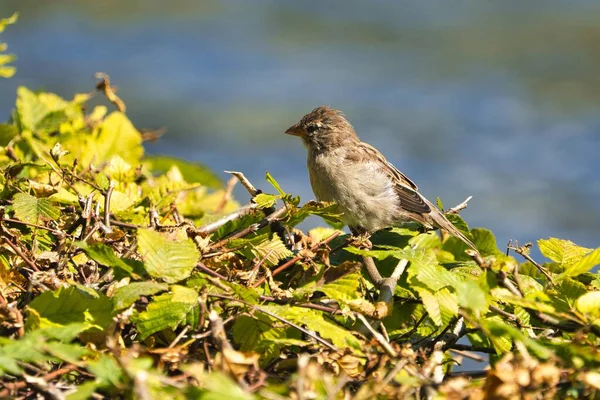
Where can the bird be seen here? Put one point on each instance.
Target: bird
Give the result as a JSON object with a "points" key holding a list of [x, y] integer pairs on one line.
{"points": [[371, 193]]}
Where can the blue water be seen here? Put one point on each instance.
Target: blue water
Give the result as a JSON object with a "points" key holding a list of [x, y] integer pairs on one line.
{"points": [[499, 101]]}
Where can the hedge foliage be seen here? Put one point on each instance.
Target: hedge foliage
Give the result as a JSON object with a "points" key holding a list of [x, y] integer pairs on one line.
{"points": [[125, 275]]}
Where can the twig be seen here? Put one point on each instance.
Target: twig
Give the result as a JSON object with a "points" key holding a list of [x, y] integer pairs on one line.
{"points": [[244, 181], [107, 196], [269, 219], [500, 276], [178, 338], [276, 227], [477, 349], [12, 387], [468, 374], [372, 270], [277, 317], [522, 251], [227, 194], [54, 231], [459, 207], [297, 258], [86, 215], [124, 224], [20, 253], [388, 378], [213, 226], [378, 336], [290, 302], [209, 271], [384, 304], [504, 281], [109, 91], [468, 354], [507, 315]]}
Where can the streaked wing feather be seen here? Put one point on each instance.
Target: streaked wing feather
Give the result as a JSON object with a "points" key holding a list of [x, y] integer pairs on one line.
{"points": [[410, 199]]}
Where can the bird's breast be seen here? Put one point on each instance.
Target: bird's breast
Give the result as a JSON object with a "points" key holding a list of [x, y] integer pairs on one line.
{"points": [[362, 191]]}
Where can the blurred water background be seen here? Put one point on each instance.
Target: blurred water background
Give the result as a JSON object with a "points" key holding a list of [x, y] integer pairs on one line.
{"points": [[499, 100]]}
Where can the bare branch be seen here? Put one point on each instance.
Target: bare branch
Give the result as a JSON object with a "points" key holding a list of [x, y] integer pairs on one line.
{"points": [[522, 251], [378, 336], [213, 226], [459, 207], [244, 181]]}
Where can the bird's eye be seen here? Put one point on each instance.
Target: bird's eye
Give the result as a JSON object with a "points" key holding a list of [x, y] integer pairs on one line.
{"points": [[311, 128]]}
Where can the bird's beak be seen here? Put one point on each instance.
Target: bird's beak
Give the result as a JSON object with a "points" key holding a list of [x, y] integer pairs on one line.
{"points": [[294, 130]]}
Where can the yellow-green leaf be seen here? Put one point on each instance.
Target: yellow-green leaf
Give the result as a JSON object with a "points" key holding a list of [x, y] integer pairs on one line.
{"points": [[589, 303], [32, 209], [169, 260]]}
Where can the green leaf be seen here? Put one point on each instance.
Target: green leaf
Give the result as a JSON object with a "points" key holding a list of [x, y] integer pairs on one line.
{"points": [[105, 255], [396, 253], [129, 294], [315, 321], [472, 297], [583, 265], [264, 200], [6, 71], [32, 209], [106, 370], [33, 108], [262, 247], [275, 184], [8, 21], [499, 329], [589, 303], [430, 274], [169, 260], [562, 251], [166, 311], [570, 290], [431, 304], [485, 241], [344, 289], [328, 211], [41, 346], [215, 386], [69, 305], [116, 136], [192, 172], [7, 133]]}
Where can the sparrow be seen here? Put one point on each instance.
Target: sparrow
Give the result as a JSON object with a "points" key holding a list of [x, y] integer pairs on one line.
{"points": [[370, 192]]}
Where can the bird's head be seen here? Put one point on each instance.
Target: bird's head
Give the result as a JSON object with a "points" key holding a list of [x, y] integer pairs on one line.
{"points": [[323, 128]]}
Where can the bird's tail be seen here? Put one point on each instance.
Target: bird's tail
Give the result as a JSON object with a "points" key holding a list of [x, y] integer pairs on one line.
{"points": [[438, 219]]}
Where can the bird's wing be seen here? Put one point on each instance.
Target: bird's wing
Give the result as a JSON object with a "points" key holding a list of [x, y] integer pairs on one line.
{"points": [[410, 199]]}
